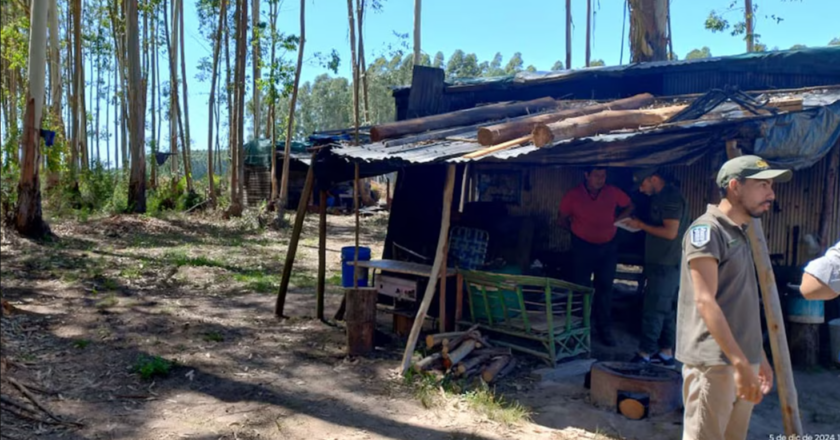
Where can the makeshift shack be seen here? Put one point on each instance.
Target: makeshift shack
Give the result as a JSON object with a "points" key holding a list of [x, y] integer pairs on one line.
{"points": [[492, 177]]}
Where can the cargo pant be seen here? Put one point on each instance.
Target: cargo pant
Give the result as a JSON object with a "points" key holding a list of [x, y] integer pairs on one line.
{"points": [[596, 261], [712, 409], [659, 322]]}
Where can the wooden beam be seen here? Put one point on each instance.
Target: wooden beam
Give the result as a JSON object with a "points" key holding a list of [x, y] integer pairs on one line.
{"points": [[503, 146], [322, 254], [459, 118], [498, 133], [300, 215], [448, 190], [775, 320], [599, 123]]}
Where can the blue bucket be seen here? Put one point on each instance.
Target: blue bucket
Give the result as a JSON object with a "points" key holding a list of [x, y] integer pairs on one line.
{"points": [[805, 311], [347, 255]]}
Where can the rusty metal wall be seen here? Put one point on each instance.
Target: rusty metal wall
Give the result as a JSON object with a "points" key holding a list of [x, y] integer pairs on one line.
{"points": [[798, 203]]}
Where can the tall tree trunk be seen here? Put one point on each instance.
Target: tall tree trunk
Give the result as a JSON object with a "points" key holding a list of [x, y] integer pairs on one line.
{"points": [[355, 65], [568, 34], [29, 221], [137, 113], [648, 30], [271, 129], [229, 92], [78, 85], [153, 62], [417, 10], [108, 122], [55, 67], [360, 12], [186, 122], [284, 183], [173, 90], [237, 125], [115, 97], [588, 31], [255, 60], [748, 19], [98, 66], [216, 50]]}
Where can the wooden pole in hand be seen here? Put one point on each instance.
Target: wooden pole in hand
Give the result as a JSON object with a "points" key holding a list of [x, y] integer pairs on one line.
{"points": [[773, 315], [437, 266], [293, 243]]}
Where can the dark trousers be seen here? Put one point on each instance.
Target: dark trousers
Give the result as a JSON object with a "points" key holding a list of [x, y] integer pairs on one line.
{"points": [[599, 260], [659, 309]]}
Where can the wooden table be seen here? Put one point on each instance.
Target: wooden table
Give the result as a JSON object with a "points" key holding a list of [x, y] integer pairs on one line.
{"points": [[417, 269]]}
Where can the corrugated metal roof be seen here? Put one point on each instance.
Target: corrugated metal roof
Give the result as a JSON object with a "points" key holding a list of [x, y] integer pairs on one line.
{"points": [[806, 60], [451, 151]]}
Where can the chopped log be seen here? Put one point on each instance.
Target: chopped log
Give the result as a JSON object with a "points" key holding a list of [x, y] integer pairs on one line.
{"points": [[426, 362], [451, 344], [496, 134], [503, 146], [432, 340], [603, 122], [508, 368], [450, 359], [361, 320], [490, 371], [459, 117], [805, 344], [472, 363]]}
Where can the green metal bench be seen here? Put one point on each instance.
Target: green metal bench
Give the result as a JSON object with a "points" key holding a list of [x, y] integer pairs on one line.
{"points": [[544, 317]]}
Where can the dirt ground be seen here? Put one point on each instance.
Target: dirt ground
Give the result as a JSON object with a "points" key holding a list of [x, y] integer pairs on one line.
{"points": [[90, 309]]}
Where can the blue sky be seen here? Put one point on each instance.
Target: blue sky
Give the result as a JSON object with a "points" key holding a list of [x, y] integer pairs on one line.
{"points": [[536, 28]]}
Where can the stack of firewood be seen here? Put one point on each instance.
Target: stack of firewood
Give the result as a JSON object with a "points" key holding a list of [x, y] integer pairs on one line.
{"points": [[462, 355]]}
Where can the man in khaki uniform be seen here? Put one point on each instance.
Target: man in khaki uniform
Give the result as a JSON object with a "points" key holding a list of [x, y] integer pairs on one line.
{"points": [[719, 340]]}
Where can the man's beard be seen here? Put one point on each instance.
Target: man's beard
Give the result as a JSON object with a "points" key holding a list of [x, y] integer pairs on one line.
{"points": [[758, 212]]}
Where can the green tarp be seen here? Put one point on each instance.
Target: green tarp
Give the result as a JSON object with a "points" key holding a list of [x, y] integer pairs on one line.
{"points": [[258, 154]]}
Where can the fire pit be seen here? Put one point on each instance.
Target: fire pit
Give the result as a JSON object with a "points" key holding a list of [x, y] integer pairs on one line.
{"points": [[659, 388]]}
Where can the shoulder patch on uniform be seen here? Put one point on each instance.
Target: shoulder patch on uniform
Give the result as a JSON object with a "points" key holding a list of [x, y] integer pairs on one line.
{"points": [[699, 235]]}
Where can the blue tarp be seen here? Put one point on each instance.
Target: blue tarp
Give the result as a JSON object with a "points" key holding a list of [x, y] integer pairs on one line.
{"points": [[799, 140]]}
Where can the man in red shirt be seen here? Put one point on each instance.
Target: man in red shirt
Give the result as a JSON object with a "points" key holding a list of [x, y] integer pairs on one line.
{"points": [[589, 211]]}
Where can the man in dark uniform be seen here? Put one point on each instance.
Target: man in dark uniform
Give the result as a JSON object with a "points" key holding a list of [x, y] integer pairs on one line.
{"points": [[719, 341], [666, 223]]}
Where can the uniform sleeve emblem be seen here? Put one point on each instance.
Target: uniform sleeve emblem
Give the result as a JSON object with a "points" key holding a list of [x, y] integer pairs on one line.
{"points": [[699, 235]]}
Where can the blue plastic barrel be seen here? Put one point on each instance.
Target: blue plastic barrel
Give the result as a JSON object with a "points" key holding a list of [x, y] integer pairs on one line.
{"points": [[805, 311], [347, 255]]}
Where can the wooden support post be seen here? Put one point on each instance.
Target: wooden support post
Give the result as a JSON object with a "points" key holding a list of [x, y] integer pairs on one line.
{"points": [[293, 243], [322, 254], [829, 196], [361, 320], [448, 189], [773, 315], [356, 193], [444, 323]]}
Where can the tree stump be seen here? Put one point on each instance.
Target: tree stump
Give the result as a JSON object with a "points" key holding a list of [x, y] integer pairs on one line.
{"points": [[360, 316]]}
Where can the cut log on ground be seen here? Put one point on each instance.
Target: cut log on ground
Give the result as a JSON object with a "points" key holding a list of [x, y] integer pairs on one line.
{"points": [[452, 358], [451, 344], [603, 122], [492, 370], [427, 362], [472, 363], [496, 134], [458, 118], [433, 340]]}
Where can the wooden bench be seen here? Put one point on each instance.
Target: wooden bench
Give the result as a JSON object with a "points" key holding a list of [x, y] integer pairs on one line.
{"points": [[544, 317]]}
